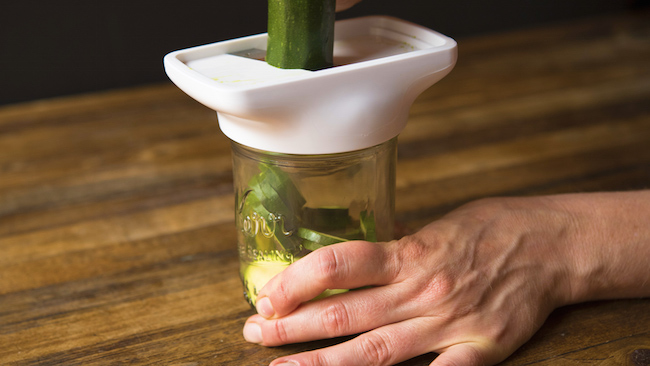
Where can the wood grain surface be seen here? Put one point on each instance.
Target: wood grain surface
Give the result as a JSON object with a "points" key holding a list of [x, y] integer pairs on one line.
{"points": [[117, 240]]}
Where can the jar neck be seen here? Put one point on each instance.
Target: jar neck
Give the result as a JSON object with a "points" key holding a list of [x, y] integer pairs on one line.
{"points": [[266, 156]]}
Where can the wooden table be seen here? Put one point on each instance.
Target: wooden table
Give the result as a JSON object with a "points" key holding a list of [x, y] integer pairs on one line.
{"points": [[116, 209]]}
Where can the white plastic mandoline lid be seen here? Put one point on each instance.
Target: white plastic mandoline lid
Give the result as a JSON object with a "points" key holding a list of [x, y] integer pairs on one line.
{"points": [[381, 65]]}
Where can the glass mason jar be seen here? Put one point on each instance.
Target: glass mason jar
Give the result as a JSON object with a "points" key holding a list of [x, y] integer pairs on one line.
{"points": [[290, 205]]}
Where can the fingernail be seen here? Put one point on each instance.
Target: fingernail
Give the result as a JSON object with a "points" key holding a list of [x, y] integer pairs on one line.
{"points": [[286, 364], [264, 307], [253, 333]]}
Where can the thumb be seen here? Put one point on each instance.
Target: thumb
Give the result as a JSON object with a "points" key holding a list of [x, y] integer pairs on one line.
{"points": [[461, 355]]}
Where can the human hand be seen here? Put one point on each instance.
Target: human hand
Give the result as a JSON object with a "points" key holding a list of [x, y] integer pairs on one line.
{"points": [[472, 286], [345, 4]]}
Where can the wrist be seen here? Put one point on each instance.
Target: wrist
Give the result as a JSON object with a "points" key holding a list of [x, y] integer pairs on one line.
{"points": [[607, 246]]}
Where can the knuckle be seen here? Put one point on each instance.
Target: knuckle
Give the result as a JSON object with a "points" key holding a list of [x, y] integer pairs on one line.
{"points": [[412, 246], [279, 294], [375, 349], [320, 359], [336, 320], [408, 252], [439, 282], [280, 332], [435, 289], [330, 267]]}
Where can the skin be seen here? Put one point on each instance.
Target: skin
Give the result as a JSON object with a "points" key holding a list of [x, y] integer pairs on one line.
{"points": [[472, 286], [345, 4]]}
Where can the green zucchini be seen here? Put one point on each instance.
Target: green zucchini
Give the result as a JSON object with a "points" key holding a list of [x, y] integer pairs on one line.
{"points": [[301, 34], [277, 201], [282, 221], [257, 274], [367, 223], [319, 238]]}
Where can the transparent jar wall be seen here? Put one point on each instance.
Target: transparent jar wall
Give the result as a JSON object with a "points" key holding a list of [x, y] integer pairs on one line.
{"points": [[288, 205]]}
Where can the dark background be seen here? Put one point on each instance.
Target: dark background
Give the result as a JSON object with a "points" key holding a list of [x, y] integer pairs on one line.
{"points": [[53, 48]]}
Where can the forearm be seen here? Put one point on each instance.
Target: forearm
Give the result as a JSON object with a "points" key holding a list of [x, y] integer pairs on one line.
{"points": [[610, 252]]}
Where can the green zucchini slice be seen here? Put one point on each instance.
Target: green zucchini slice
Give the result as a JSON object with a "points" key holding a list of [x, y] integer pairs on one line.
{"points": [[368, 226]]}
